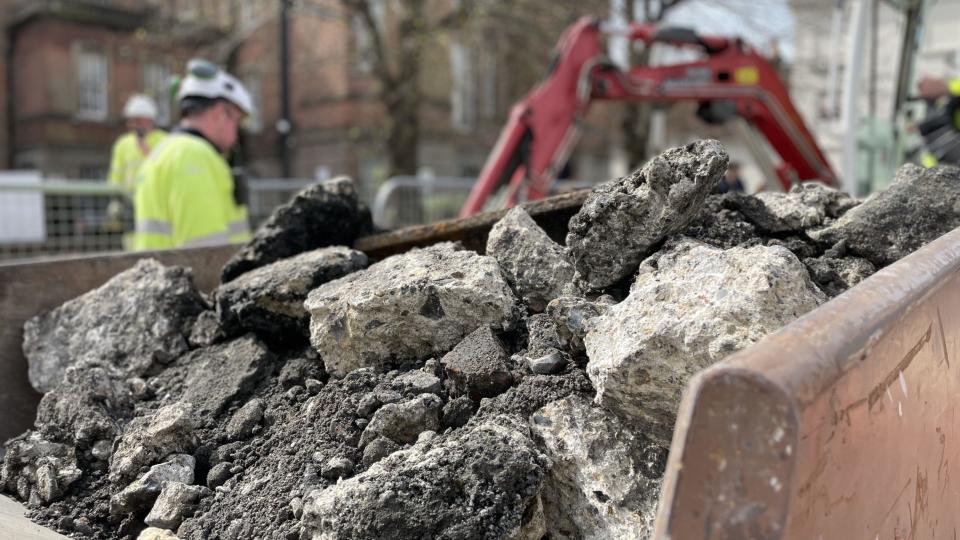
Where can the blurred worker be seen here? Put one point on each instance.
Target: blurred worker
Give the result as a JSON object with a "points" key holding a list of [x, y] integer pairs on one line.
{"points": [[129, 153], [731, 180], [941, 128], [133, 147], [185, 193]]}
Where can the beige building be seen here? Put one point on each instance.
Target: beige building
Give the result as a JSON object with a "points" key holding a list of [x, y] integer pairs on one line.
{"points": [[819, 74]]}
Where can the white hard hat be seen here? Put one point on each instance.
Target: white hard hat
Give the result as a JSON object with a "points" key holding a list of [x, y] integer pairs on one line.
{"points": [[140, 106], [205, 79]]}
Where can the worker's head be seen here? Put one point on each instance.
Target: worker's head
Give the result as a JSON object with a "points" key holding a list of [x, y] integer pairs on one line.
{"points": [[140, 112], [213, 102]]}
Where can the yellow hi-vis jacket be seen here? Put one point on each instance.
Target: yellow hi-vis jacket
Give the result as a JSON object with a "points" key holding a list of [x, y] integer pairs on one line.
{"points": [[926, 158], [127, 157], [184, 197]]}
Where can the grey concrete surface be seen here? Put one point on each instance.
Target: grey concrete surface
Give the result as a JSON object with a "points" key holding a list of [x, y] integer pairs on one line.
{"points": [[13, 524]]}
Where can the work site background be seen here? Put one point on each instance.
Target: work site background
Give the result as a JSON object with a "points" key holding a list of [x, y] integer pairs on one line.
{"points": [[408, 97]]}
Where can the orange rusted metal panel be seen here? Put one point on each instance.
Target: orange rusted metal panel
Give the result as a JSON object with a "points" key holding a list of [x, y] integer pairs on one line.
{"points": [[841, 425], [552, 214]]}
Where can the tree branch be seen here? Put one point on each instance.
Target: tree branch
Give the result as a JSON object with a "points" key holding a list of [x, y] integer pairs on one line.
{"points": [[381, 64]]}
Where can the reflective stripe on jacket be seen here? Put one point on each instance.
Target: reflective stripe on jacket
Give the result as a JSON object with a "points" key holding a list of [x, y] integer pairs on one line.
{"points": [[127, 157], [184, 197]]}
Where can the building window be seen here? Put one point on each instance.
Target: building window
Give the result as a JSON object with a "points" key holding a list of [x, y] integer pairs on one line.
{"points": [[156, 84], [488, 78], [254, 122], [247, 15], [363, 53], [463, 91], [92, 83]]}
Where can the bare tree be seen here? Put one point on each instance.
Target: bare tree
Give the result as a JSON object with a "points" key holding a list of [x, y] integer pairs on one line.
{"points": [[397, 54], [636, 117]]}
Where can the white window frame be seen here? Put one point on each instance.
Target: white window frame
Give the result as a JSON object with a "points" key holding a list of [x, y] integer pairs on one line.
{"points": [[254, 122], [92, 76], [463, 88], [156, 80]]}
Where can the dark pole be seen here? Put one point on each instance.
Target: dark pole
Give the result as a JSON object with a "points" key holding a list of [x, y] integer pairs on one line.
{"points": [[283, 124]]}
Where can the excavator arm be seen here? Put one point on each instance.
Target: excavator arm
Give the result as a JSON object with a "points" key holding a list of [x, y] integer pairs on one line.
{"points": [[732, 79]]}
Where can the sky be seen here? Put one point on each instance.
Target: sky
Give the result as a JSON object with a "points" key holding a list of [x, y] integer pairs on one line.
{"points": [[759, 22]]}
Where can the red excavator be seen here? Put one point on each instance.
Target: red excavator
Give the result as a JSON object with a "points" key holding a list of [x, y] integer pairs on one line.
{"points": [[732, 79]]}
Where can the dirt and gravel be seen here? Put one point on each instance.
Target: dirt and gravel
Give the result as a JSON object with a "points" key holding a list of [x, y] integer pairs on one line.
{"points": [[528, 392]]}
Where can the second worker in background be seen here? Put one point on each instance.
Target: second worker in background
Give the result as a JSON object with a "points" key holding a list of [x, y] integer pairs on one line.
{"points": [[185, 192]]}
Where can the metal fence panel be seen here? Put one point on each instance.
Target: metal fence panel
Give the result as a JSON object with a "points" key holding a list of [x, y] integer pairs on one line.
{"points": [[74, 216]]}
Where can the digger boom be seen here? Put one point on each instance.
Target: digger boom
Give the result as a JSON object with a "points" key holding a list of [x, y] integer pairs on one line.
{"points": [[732, 79]]}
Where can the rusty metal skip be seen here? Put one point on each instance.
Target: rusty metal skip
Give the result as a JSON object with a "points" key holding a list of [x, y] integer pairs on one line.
{"points": [[840, 425]]}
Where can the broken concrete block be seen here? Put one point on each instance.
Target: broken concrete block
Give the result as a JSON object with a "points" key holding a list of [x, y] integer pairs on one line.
{"points": [[407, 307], [418, 382], [154, 533], [337, 467], [218, 375], [32, 464], [624, 220], [548, 364], [324, 214], [572, 315], [720, 222], [402, 422], [378, 449], [457, 412], [219, 474], [207, 330], [834, 275], [141, 317], [93, 402], [140, 494], [919, 206], [175, 502], [477, 366], [689, 307], [478, 481], [149, 439], [606, 475], [245, 419], [542, 334], [535, 265], [269, 299], [545, 354]]}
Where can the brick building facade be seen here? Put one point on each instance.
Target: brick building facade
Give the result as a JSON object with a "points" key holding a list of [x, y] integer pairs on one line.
{"points": [[69, 65]]}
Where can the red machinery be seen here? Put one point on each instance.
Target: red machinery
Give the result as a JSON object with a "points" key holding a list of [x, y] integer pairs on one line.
{"points": [[732, 79]]}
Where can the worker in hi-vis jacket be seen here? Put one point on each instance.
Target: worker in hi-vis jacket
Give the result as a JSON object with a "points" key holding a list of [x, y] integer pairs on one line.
{"points": [[185, 192]]}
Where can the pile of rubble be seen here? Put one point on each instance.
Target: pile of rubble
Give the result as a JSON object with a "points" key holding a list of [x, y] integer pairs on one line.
{"points": [[440, 393]]}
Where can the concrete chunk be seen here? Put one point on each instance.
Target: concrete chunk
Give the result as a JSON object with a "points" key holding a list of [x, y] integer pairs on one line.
{"points": [[324, 214], [148, 439], [34, 464], [245, 419], [475, 483], [269, 299], [919, 206], [403, 422], [834, 275], [624, 220], [606, 475], [407, 307], [220, 374], [689, 307], [534, 264], [142, 492], [140, 317], [176, 502], [477, 366]]}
